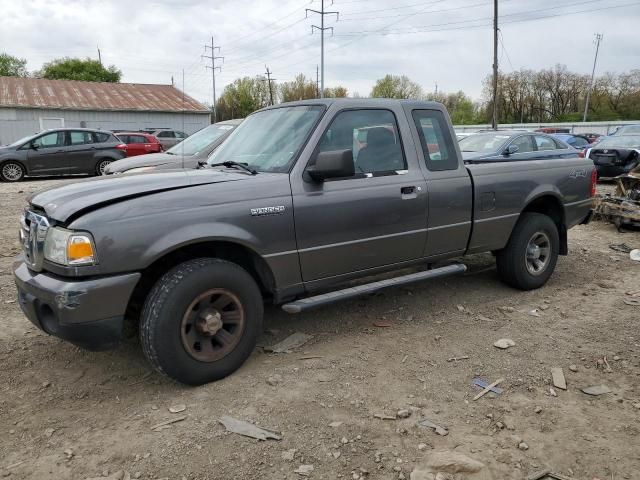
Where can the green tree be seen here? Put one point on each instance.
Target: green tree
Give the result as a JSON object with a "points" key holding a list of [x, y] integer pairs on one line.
{"points": [[336, 92], [11, 66], [462, 109], [77, 69], [396, 86], [301, 88], [242, 97]]}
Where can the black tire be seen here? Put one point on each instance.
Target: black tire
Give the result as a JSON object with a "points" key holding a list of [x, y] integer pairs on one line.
{"points": [[165, 309], [101, 164], [517, 267], [11, 171]]}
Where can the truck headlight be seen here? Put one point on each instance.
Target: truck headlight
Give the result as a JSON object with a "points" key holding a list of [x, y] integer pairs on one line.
{"points": [[69, 248]]}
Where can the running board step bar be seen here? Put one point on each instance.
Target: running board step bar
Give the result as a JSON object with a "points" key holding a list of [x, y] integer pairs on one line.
{"points": [[298, 306]]}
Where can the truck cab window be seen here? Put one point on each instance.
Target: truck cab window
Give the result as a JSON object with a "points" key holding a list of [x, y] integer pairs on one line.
{"points": [[436, 141], [373, 137]]}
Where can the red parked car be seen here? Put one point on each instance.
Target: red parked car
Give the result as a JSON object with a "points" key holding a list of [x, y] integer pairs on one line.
{"points": [[139, 143]]}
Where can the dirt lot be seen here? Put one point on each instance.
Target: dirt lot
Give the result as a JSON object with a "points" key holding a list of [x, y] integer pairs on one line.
{"points": [[66, 413]]}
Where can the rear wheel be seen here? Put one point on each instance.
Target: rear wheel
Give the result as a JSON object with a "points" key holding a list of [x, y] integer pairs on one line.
{"points": [[201, 320], [530, 257], [11, 171], [101, 165]]}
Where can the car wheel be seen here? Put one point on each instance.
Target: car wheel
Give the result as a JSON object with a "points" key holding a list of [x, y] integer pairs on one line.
{"points": [[530, 257], [11, 171], [201, 320], [101, 165]]}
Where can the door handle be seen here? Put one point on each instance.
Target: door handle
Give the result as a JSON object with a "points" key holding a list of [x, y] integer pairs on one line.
{"points": [[407, 190]]}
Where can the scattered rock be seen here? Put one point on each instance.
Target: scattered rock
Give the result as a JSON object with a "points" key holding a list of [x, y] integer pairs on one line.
{"points": [[616, 358], [534, 313], [382, 416], [290, 343], [573, 368], [557, 376], [289, 455], [344, 440], [119, 475], [523, 446], [446, 462], [552, 392], [48, 432], [247, 429], [178, 408], [596, 390], [538, 409], [404, 413], [422, 446], [460, 308], [442, 431], [504, 343], [274, 380], [336, 455], [335, 424], [304, 470]]}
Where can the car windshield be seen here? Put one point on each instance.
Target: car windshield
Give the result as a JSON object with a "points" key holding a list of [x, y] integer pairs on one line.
{"points": [[268, 141], [17, 143], [623, 141], [628, 130], [483, 142], [200, 140]]}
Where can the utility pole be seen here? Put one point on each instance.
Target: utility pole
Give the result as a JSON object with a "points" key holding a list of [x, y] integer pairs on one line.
{"points": [[494, 117], [436, 89], [317, 82], [593, 72], [322, 28], [99, 56], [269, 79], [213, 68]]}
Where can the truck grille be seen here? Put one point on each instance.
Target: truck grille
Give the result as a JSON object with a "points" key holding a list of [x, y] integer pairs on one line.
{"points": [[33, 232]]}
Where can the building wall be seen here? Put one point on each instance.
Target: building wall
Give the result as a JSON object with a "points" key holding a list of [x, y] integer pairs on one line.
{"points": [[16, 123]]}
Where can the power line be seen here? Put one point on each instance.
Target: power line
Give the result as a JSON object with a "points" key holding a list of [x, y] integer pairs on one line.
{"points": [[504, 49], [213, 68], [322, 28], [593, 72]]}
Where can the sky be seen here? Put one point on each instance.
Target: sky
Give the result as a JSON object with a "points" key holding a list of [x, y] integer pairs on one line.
{"points": [[443, 42]]}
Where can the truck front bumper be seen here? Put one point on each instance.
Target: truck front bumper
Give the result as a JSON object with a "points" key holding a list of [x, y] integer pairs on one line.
{"points": [[87, 313]]}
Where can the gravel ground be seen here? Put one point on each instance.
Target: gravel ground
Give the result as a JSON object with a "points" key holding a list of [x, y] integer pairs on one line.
{"points": [[70, 414]]}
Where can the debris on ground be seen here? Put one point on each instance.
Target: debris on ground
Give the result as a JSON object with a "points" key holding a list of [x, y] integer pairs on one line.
{"points": [[247, 429], [440, 430], [455, 359], [504, 343], [596, 390], [446, 464], [557, 375], [178, 408], [382, 416], [289, 455], [382, 324], [621, 247], [488, 388], [403, 413], [552, 392], [166, 423], [274, 380], [290, 343], [479, 382], [335, 424], [119, 475], [635, 255], [547, 475], [535, 312], [573, 368], [523, 446], [304, 470]]}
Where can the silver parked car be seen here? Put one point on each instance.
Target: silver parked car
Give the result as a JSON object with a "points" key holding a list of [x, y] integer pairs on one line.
{"points": [[168, 138]]}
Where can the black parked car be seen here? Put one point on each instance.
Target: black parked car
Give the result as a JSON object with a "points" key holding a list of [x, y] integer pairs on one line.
{"points": [[513, 145], [187, 154], [60, 152], [616, 155]]}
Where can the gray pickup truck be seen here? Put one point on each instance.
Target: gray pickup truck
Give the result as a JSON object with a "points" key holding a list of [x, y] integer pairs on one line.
{"points": [[302, 200]]}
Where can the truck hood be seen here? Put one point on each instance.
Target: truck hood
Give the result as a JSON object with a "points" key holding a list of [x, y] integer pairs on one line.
{"points": [[70, 201]]}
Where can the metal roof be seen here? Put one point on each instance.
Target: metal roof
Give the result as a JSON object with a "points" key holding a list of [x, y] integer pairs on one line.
{"points": [[76, 95]]}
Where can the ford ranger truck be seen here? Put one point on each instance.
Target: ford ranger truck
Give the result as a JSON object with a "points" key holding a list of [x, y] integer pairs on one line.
{"points": [[305, 204]]}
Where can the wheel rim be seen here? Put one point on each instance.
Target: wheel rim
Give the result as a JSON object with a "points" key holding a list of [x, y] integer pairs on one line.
{"points": [[12, 172], [538, 253], [102, 165], [212, 325]]}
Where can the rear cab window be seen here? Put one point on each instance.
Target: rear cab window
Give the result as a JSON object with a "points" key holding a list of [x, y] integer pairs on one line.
{"points": [[435, 138]]}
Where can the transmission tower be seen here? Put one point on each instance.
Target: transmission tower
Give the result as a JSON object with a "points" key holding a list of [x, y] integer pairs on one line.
{"points": [[213, 68], [322, 28], [593, 72]]}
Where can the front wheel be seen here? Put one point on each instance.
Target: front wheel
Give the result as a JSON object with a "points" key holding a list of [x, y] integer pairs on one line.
{"points": [[201, 320], [11, 171], [530, 257], [101, 165]]}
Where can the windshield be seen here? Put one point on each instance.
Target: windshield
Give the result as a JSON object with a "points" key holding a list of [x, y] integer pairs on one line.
{"points": [[269, 140], [200, 140], [622, 141], [628, 130], [22, 140], [483, 142]]}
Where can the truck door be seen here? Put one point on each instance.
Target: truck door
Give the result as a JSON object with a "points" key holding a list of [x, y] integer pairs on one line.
{"points": [[373, 219], [448, 183]]}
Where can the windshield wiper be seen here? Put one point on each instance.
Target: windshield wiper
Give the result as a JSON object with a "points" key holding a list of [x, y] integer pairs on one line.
{"points": [[232, 164]]}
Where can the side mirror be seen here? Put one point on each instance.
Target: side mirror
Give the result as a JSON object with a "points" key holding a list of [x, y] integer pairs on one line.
{"points": [[33, 146], [333, 164], [511, 149]]}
